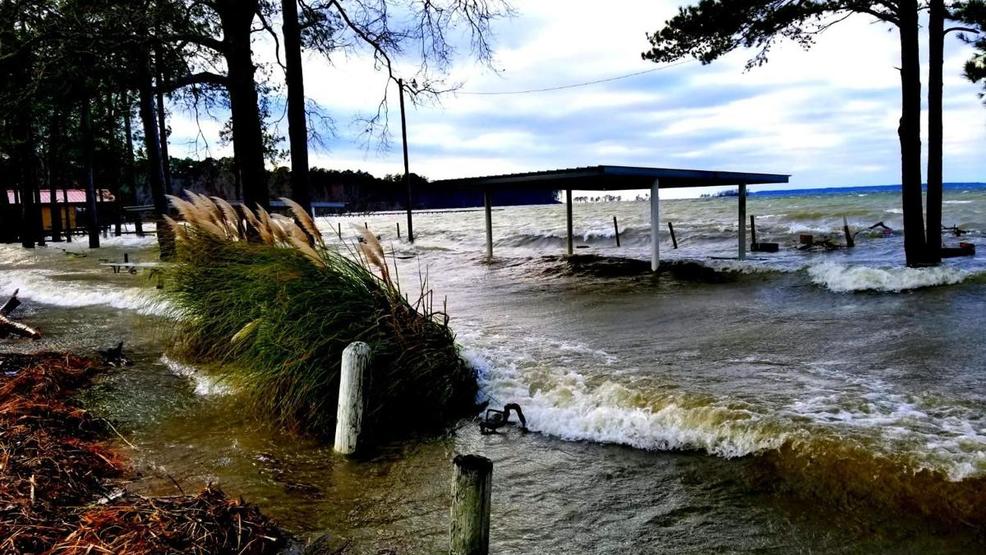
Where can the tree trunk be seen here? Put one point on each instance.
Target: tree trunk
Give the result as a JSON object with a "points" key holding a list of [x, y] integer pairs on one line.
{"points": [[29, 168], [297, 126], [909, 132], [128, 167], [162, 117], [936, 59], [55, 174], [248, 143], [155, 169], [88, 178]]}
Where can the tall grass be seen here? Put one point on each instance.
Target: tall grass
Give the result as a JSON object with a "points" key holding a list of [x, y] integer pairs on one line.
{"points": [[264, 296]]}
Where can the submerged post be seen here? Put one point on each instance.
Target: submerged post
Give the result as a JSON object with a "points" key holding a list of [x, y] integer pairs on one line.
{"points": [[469, 532], [850, 241], [674, 240], [742, 221], [407, 171], [655, 223], [488, 208], [569, 249], [349, 414], [616, 229]]}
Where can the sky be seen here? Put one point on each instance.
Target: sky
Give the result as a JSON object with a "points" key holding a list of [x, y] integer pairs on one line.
{"points": [[827, 116]]}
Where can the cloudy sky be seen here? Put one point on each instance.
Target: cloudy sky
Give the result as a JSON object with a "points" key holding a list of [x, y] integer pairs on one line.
{"points": [[828, 116]]}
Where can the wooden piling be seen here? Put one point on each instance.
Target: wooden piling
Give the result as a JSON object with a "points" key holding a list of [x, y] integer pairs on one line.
{"points": [[674, 240], [568, 222], [469, 532], [616, 228], [349, 414], [398, 230], [488, 209], [850, 242], [753, 230]]}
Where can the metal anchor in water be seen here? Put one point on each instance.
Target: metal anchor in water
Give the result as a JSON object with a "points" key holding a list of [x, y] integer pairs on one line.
{"points": [[494, 419]]}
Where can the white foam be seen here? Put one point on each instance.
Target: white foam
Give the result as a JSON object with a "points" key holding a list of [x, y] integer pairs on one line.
{"points": [[204, 385], [40, 286], [843, 278], [946, 438], [609, 412]]}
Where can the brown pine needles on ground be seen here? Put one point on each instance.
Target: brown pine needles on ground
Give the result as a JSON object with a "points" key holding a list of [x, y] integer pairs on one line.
{"points": [[54, 462]]}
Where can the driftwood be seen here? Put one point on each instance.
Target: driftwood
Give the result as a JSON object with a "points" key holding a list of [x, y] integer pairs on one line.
{"points": [[8, 326]]}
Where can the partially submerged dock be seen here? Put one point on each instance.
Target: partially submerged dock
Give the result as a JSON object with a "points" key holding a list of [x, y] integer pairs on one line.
{"points": [[612, 178]]}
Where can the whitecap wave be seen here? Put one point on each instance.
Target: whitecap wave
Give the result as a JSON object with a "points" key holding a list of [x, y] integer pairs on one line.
{"points": [[609, 412], [843, 278], [41, 286], [205, 385]]}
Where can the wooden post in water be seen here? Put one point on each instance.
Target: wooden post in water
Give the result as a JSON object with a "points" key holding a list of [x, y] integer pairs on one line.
{"points": [[349, 414], [407, 171], [850, 242], [616, 228], [469, 533], [753, 230], [488, 208], [674, 240], [398, 230], [569, 249], [655, 221], [741, 238]]}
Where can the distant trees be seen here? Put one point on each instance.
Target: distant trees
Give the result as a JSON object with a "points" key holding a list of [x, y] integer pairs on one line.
{"points": [[74, 72], [712, 28]]}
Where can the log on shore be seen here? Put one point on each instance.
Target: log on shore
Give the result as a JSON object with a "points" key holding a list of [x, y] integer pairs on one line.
{"points": [[9, 327]]}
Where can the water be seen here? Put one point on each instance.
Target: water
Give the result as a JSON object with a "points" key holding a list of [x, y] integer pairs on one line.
{"points": [[803, 402]]}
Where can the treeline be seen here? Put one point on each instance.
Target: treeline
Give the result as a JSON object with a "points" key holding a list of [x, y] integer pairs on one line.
{"points": [[85, 86], [358, 190]]}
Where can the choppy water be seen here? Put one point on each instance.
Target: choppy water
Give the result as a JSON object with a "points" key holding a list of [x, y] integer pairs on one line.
{"points": [[823, 402]]}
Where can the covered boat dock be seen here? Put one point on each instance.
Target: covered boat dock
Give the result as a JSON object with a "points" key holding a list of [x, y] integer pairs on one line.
{"points": [[614, 178]]}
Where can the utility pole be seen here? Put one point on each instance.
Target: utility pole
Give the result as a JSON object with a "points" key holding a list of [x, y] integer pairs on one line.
{"points": [[407, 175]]}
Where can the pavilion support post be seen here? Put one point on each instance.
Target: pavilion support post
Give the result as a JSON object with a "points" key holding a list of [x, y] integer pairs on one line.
{"points": [[655, 226], [569, 243], [488, 205], [742, 221]]}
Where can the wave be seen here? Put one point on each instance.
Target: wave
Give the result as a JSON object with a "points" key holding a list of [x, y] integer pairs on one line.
{"points": [[843, 278], [44, 287], [205, 385], [612, 413], [937, 468]]}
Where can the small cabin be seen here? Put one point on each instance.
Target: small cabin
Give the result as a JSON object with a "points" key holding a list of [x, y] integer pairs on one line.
{"points": [[70, 203]]}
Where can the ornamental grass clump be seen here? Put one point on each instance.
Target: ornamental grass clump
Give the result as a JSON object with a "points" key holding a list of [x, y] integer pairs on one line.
{"points": [[264, 296]]}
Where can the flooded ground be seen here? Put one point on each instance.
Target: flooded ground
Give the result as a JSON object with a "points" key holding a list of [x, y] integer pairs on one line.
{"points": [[796, 404]]}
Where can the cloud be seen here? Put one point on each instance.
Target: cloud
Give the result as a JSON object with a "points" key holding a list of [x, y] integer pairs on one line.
{"points": [[827, 115]]}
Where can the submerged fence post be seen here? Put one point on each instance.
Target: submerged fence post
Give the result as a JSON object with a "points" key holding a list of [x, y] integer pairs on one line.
{"points": [[469, 532], [349, 415], [674, 240], [616, 228]]}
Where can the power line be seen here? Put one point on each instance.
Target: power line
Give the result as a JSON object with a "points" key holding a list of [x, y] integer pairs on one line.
{"points": [[577, 85]]}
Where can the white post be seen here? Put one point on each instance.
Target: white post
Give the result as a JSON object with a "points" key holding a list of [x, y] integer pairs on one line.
{"points": [[568, 221], [349, 415], [469, 531], [742, 221], [655, 226], [488, 203]]}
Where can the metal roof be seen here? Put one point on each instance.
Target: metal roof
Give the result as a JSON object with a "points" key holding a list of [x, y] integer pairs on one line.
{"points": [[611, 178], [75, 196]]}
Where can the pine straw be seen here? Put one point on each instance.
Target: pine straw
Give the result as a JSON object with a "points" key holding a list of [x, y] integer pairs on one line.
{"points": [[49, 460], [205, 524], [53, 462]]}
